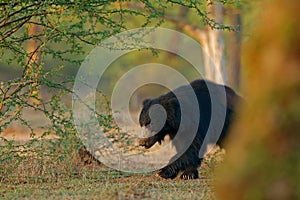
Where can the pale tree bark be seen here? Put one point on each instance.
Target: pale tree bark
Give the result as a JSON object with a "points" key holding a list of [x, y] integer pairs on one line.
{"points": [[212, 42]]}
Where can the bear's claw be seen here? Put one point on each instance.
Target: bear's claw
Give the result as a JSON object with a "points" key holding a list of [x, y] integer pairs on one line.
{"points": [[147, 142], [191, 173], [166, 173]]}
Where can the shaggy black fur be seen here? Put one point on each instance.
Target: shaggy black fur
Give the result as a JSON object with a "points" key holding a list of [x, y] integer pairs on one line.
{"points": [[189, 161]]}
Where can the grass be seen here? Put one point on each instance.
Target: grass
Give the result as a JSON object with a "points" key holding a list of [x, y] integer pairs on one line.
{"points": [[96, 181], [106, 187], [55, 169]]}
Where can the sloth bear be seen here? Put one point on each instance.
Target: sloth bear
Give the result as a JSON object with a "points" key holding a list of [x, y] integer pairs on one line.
{"points": [[210, 98]]}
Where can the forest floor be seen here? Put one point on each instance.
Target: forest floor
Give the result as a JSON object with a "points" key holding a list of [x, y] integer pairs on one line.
{"points": [[29, 176], [99, 182]]}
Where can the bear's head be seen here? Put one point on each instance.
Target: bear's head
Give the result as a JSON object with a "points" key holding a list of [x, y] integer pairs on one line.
{"points": [[159, 117]]}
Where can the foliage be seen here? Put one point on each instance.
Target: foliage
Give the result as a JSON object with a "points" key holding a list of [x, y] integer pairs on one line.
{"points": [[65, 30]]}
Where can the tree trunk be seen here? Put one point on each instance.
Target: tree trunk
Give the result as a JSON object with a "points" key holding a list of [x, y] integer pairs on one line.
{"points": [[212, 42], [215, 66]]}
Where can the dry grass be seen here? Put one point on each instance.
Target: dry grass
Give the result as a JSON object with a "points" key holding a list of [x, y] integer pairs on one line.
{"points": [[99, 182], [70, 178], [51, 168]]}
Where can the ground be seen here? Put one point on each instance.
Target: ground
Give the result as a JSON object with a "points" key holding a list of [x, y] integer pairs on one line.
{"points": [[32, 175], [99, 182]]}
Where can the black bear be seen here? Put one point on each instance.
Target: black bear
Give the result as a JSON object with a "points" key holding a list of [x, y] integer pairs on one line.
{"points": [[210, 98]]}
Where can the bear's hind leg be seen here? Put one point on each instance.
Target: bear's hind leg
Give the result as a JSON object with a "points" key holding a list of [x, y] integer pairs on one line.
{"points": [[169, 171], [189, 163]]}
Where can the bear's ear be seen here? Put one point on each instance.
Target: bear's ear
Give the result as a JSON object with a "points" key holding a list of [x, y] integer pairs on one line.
{"points": [[171, 103], [146, 101]]}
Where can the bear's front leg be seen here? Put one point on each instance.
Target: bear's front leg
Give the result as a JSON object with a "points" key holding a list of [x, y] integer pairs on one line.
{"points": [[148, 142]]}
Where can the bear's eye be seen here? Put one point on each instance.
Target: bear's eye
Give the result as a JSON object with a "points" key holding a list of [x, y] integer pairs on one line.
{"points": [[147, 123]]}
